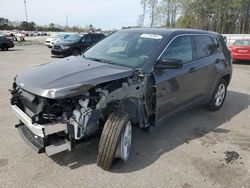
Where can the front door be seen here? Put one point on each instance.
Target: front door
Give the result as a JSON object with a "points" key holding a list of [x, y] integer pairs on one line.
{"points": [[175, 88]]}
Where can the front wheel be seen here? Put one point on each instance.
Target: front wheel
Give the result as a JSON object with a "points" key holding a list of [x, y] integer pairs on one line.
{"points": [[115, 140], [218, 97]]}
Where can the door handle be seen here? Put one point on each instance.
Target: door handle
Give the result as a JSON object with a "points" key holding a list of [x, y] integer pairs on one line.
{"points": [[191, 70]]}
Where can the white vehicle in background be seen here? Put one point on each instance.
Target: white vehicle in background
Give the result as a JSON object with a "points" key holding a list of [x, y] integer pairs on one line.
{"points": [[53, 40], [19, 36]]}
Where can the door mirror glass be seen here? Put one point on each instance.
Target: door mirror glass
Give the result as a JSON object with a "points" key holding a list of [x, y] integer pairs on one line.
{"points": [[169, 64]]}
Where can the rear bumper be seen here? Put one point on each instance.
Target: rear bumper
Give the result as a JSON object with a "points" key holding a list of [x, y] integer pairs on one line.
{"points": [[11, 45], [48, 44], [37, 135], [237, 56]]}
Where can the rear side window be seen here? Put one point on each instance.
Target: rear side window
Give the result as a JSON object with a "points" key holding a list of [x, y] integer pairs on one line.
{"points": [[180, 49], [204, 46], [216, 44]]}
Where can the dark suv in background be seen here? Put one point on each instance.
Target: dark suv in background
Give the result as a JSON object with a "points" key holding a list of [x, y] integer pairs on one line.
{"points": [[75, 44], [133, 77], [5, 43]]}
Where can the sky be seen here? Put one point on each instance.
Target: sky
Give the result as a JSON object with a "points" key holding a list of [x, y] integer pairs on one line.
{"points": [[105, 14]]}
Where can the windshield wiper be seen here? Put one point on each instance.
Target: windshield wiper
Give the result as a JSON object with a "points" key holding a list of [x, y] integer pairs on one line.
{"points": [[100, 60]]}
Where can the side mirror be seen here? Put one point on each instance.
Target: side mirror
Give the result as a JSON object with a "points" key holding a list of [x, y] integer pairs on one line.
{"points": [[169, 64]]}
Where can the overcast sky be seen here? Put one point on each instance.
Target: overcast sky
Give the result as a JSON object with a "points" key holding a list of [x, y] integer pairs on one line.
{"points": [[107, 14]]}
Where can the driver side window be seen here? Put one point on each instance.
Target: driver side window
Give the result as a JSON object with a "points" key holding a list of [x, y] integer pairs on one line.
{"points": [[179, 49]]}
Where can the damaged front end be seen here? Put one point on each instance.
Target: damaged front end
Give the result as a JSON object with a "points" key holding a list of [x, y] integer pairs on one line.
{"points": [[55, 125]]}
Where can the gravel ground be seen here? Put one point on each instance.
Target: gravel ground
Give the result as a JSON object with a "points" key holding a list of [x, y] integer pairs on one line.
{"points": [[195, 149]]}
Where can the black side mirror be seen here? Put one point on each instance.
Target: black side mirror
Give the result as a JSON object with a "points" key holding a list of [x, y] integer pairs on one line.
{"points": [[169, 64]]}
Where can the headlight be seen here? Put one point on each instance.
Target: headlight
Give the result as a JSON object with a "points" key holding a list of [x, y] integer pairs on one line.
{"points": [[65, 47]]}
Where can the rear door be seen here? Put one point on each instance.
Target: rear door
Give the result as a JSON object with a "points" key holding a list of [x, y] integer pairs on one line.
{"points": [[207, 55]]}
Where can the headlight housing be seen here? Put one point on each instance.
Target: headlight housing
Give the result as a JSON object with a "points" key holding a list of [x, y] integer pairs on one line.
{"points": [[65, 47]]}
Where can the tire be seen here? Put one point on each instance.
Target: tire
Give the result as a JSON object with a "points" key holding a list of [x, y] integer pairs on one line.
{"points": [[76, 52], [4, 47], [112, 139], [218, 97]]}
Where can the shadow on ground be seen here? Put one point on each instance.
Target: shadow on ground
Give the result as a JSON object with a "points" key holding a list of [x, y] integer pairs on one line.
{"points": [[242, 62], [148, 147], [12, 50]]}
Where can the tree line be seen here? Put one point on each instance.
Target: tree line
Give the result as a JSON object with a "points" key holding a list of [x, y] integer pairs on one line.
{"points": [[223, 16], [6, 24]]}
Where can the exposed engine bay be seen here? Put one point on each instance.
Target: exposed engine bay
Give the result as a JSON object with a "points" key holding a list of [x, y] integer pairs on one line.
{"points": [[82, 117]]}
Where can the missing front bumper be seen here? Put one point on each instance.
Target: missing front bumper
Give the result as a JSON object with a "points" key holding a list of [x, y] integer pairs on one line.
{"points": [[37, 136]]}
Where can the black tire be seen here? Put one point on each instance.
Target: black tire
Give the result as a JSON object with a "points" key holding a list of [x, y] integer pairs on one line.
{"points": [[110, 138], [76, 52], [4, 47], [212, 106]]}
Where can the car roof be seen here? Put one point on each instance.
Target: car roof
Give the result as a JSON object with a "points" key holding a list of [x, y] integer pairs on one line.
{"points": [[91, 33], [167, 31]]}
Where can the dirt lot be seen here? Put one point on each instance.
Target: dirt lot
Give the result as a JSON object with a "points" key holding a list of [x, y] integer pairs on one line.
{"points": [[196, 149]]}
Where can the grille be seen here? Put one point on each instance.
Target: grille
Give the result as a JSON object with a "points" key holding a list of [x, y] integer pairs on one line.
{"points": [[57, 47]]}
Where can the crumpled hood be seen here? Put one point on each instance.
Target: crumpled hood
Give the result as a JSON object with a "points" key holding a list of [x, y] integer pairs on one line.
{"points": [[69, 77]]}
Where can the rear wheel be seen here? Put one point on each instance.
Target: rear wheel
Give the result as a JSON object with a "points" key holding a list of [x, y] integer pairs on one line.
{"points": [[218, 97], [115, 140]]}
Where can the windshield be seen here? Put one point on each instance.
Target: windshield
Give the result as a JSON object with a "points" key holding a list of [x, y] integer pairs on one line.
{"points": [[125, 48], [73, 38], [65, 36], [242, 43]]}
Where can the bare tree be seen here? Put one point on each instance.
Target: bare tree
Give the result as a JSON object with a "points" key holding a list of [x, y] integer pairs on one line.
{"points": [[167, 11], [143, 15], [152, 4]]}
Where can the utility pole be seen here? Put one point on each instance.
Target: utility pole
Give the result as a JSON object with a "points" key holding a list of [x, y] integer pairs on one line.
{"points": [[25, 10]]}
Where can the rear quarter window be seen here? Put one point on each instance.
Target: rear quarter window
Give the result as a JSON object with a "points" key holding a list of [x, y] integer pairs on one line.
{"points": [[216, 44]]}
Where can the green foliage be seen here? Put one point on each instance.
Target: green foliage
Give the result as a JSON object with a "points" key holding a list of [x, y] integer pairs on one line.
{"points": [[4, 23], [224, 16], [27, 26], [227, 16]]}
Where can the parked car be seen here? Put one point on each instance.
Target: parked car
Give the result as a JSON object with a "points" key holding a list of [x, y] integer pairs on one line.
{"points": [[133, 77], [240, 50], [75, 44], [53, 40], [5, 43]]}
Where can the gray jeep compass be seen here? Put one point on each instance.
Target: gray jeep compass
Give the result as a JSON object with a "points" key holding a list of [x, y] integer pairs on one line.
{"points": [[136, 77]]}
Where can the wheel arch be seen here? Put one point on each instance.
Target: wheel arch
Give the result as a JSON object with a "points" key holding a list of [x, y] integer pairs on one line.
{"points": [[227, 77]]}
